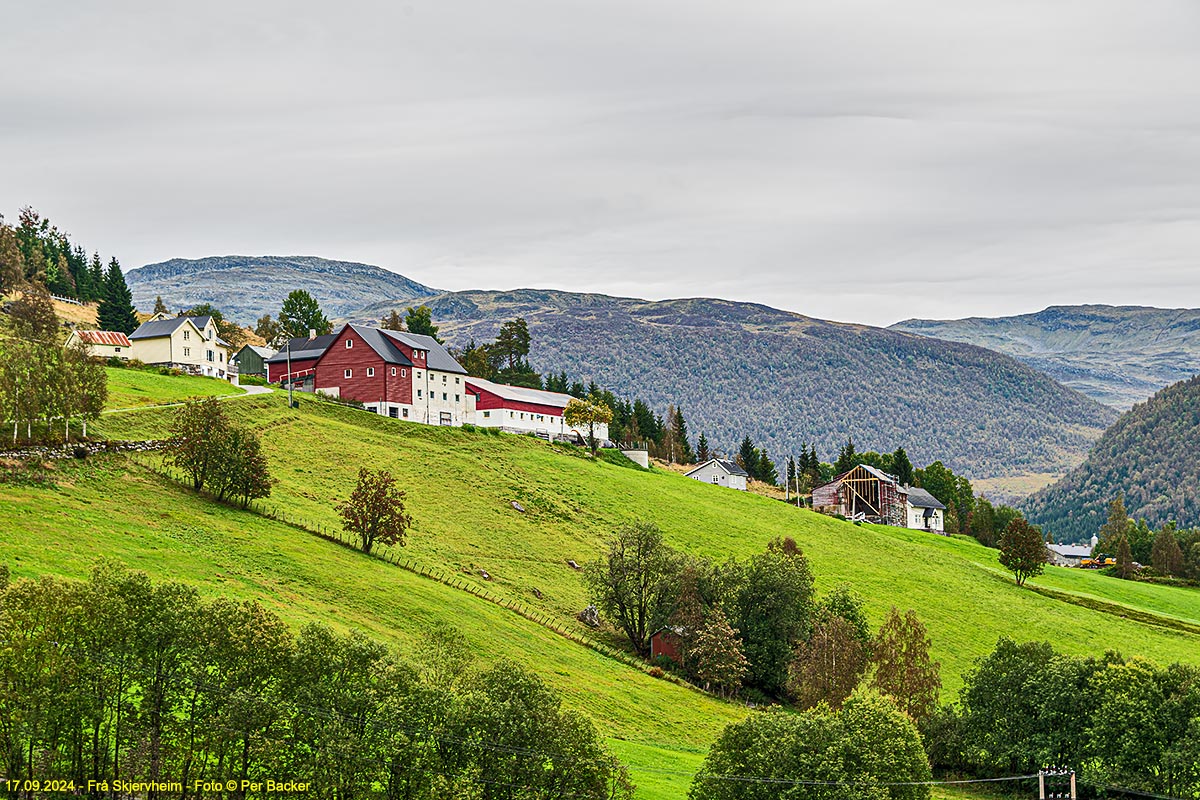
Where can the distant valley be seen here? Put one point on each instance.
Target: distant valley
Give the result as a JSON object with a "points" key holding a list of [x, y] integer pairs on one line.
{"points": [[1119, 355]]}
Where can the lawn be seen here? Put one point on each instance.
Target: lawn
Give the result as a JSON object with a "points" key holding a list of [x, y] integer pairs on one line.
{"points": [[136, 388]]}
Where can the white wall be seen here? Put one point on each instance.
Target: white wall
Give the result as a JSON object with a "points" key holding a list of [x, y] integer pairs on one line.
{"points": [[916, 519], [711, 473]]}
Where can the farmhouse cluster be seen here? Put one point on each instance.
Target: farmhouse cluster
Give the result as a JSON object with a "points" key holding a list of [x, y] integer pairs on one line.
{"points": [[394, 373], [868, 494]]}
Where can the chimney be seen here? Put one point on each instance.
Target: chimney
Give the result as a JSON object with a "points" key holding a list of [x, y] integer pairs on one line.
{"points": [[312, 333]]}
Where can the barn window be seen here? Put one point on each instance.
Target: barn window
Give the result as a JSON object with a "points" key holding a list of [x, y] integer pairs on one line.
{"points": [[405, 412], [349, 373], [349, 343], [370, 372], [393, 371], [403, 373], [487, 414]]}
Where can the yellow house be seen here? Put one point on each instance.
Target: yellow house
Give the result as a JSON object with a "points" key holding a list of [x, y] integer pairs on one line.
{"points": [[103, 344], [187, 343]]}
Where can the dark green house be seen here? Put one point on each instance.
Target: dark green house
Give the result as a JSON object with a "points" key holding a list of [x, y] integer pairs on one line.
{"points": [[251, 359]]}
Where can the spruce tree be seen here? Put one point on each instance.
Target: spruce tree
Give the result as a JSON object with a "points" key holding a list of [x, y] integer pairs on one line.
{"points": [[116, 311], [847, 458], [902, 467], [702, 452], [159, 306]]}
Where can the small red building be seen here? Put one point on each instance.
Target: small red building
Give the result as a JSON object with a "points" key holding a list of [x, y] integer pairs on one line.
{"points": [[665, 642], [304, 355]]}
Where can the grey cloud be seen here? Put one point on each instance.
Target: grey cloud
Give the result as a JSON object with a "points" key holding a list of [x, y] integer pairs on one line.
{"points": [[859, 160]]}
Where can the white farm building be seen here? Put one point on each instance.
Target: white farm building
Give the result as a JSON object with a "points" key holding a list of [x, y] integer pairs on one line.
{"points": [[720, 472]]}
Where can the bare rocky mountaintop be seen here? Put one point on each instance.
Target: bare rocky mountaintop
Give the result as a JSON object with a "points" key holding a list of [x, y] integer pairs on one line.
{"points": [[246, 287], [1119, 355]]}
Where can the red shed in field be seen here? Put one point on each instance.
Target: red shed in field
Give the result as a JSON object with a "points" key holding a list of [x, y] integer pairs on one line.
{"points": [[665, 642], [305, 353]]}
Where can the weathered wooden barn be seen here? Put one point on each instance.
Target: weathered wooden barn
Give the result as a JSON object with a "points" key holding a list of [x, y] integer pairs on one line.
{"points": [[864, 493]]}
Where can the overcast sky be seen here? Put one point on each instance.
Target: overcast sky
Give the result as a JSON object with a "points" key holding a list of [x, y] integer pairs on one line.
{"points": [[852, 160]]}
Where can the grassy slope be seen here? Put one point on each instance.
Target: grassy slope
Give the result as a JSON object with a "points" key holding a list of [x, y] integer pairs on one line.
{"points": [[460, 488], [134, 388], [461, 484]]}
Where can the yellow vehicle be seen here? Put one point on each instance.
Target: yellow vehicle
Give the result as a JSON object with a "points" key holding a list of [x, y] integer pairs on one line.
{"points": [[1099, 562]]}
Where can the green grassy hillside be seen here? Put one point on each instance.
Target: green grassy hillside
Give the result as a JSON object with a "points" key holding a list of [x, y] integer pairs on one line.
{"points": [[461, 486], [135, 388]]}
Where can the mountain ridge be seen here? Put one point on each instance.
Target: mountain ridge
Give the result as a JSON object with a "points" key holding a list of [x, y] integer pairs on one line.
{"points": [[1119, 355], [736, 368], [246, 287]]}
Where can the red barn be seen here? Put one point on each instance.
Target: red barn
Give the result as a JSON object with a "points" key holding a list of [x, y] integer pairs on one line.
{"points": [[400, 374]]}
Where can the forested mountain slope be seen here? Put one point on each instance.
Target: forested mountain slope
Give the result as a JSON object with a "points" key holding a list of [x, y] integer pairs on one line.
{"points": [[783, 379], [1119, 355], [1151, 456], [246, 287]]}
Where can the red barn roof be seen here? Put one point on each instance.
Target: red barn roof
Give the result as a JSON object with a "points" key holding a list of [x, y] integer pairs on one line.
{"points": [[104, 337]]}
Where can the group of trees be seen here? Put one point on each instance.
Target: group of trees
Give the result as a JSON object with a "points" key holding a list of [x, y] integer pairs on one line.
{"points": [[35, 254], [216, 454], [755, 623], [44, 385], [122, 679], [505, 359], [1139, 551], [1128, 723], [756, 462], [868, 748]]}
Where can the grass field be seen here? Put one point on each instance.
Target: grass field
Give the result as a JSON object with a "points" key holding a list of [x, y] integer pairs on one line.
{"points": [[135, 388], [461, 487]]}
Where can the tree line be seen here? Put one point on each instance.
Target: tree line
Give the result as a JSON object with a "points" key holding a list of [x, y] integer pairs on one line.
{"points": [[1170, 554], [121, 678], [45, 385], [755, 627], [1119, 722], [35, 253]]}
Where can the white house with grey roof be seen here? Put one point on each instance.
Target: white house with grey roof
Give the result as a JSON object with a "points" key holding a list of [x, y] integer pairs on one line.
{"points": [[720, 472], [925, 512], [190, 344], [517, 409]]}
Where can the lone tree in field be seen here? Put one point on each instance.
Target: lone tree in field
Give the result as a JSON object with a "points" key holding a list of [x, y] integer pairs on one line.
{"points": [[903, 669], [198, 435], [375, 510], [1023, 550], [580, 413]]}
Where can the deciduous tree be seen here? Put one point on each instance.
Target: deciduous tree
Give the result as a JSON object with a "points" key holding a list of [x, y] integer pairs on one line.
{"points": [[718, 656], [904, 670], [300, 314], [635, 583], [420, 320], [1023, 550], [587, 414], [375, 510]]}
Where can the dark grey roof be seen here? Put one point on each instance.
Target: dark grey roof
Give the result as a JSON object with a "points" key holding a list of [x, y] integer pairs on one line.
{"points": [[438, 357], [303, 347], [264, 352], [165, 327], [729, 466], [922, 499], [379, 341]]}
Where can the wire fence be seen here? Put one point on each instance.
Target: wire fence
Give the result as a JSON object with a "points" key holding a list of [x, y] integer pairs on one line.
{"points": [[452, 580]]}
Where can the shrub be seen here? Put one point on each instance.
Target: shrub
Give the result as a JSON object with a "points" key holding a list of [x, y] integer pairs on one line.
{"points": [[656, 672]]}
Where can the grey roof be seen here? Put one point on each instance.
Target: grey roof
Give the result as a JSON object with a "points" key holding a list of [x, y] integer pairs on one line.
{"points": [[1072, 550], [438, 357], [380, 341], [165, 327], [729, 466], [878, 473], [922, 499], [303, 347], [264, 352]]}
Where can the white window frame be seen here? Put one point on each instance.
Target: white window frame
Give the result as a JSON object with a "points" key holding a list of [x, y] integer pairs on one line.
{"points": [[349, 343], [370, 372], [348, 373]]}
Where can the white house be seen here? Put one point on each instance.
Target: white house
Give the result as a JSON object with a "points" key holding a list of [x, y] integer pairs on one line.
{"points": [[520, 410], [925, 512], [1070, 555], [722, 473], [103, 344], [190, 344]]}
